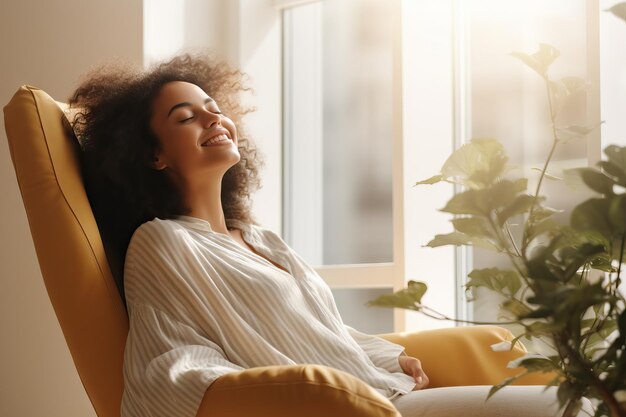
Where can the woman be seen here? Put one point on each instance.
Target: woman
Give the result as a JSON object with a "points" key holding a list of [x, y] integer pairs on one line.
{"points": [[208, 291]]}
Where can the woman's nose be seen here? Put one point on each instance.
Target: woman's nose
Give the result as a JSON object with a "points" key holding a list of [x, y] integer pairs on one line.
{"points": [[209, 118]]}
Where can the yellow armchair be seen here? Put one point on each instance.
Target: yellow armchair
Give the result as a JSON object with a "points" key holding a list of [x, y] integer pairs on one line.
{"points": [[95, 324]]}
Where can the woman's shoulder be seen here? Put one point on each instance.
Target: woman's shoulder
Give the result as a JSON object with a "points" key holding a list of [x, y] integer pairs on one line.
{"points": [[158, 231], [256, 233], [157, 225]]}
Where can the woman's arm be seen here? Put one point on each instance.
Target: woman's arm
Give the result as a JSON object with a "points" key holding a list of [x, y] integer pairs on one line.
{"points": [[168, 366]]}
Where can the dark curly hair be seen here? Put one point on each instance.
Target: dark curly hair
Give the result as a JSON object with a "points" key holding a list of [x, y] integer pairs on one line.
{"points": [[113, 108]]}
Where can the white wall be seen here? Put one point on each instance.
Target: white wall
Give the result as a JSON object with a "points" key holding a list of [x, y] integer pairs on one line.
{"points": [[46, 43]]}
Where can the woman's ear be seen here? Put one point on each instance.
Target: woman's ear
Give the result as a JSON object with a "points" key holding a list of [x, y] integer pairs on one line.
{"points": [[157, 162]]}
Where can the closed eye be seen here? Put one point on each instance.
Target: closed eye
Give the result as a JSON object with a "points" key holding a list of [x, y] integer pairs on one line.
{"points": [[186, 119]]}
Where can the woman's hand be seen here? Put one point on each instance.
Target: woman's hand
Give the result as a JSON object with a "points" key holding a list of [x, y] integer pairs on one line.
{"points": [[413, 367]]}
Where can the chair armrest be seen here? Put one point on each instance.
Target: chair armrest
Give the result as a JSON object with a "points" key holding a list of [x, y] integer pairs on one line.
{"points": [[298, 390], [463, 356]]}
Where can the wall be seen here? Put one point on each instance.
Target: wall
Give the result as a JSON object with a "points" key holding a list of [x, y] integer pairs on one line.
{"points": [[49, 44], [46, 43]]}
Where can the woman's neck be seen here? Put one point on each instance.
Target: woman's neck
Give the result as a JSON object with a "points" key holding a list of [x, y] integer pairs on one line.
{"points": [[204, 202]]}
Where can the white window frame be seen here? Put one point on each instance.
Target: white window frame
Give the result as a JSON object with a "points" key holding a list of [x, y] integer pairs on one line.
{"points": [[409, 259]]}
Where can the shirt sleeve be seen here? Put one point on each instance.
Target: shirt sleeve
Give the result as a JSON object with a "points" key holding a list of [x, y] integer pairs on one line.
{"points": [[170, 365], [381, 352]]}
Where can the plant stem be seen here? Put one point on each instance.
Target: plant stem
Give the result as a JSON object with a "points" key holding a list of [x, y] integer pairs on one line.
{"points": [[434, 314], [555, 142], [508, 231], [619, 267], [607, 396]]}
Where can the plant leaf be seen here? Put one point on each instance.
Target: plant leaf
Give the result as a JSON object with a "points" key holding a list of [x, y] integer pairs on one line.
{"points": [[432, 180], [619, 10], [516, 307], [546, 175], [521, 204], [565, 134], [504, 383], [542, 227], [458, 239], [593, 215], [614, 171], [480, 155], [473, 226], [541, 60], [617, 213], [617, 155], [574, 85], [495, 279], [533, 362], [595, 180], [469, 202], [408, 298]]}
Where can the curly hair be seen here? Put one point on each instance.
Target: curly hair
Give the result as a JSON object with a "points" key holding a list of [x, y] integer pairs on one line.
{"points": [[113, 108]]}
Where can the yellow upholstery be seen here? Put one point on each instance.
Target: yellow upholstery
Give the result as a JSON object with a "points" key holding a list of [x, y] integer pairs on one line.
{"points": [[462, 356], [94, 322]]}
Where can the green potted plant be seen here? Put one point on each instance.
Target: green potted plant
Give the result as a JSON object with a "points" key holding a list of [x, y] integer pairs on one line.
{"points": [[563, 283]]}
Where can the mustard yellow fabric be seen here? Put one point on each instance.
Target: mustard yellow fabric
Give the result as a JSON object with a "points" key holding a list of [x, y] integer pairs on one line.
{"points": [[68, 244], [462, 356], [94, 322], [301, 390]]}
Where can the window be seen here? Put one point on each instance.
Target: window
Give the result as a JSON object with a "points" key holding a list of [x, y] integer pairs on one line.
{"points": [[347, 181], [338, 131]]}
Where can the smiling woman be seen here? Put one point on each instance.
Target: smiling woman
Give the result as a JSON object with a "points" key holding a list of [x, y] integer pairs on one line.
{"points": [[186, 120], [208, 291], [126, 121]]}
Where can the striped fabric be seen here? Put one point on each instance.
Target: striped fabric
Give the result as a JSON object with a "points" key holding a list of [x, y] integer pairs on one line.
{"points": [[201, 305]]}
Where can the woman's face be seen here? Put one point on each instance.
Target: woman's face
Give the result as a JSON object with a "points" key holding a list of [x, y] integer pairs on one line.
{"points": [[195, 138]]}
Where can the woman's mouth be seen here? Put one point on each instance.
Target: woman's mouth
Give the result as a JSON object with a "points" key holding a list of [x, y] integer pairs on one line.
{"points": [[216, 140]]}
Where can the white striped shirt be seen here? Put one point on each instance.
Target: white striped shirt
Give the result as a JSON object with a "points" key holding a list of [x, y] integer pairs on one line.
{"points": [[201, 305]]}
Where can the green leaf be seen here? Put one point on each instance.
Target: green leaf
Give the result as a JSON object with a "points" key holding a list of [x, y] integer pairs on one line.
{"points": [[601, 335], [565, 134], [521, 204], [409, 298], [496, 280], [616, 155], [533, 363], [502, 193], [469, 202], [593, 215], [619, 10], [617, 213], [547, 176], [454, 238], [595, 180], [516, 308], [541, 213], [574, 85], [540, 228], [504, 383], [484, 156], [614, 171], [432, 180], [561, 91], [542, 329], [602, 263], [473, 226], [458, 239], [565, 392], [541, 60]]}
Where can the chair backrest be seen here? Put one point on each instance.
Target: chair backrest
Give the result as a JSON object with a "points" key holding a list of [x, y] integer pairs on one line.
{"points": [[68, 244]]}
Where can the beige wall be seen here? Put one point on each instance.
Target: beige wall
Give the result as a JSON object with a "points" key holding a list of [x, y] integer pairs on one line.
{"points": [[49, 44], [46, 43]]}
